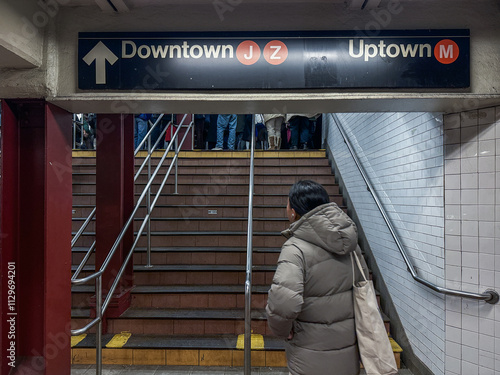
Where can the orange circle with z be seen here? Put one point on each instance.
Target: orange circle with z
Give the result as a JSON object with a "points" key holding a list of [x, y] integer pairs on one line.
{"points": [[446, 51], [275, 52], [248, 52]]}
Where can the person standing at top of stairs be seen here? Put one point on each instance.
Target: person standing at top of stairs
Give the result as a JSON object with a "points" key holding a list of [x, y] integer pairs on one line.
{"points": [[224, 121], [273, 125]]}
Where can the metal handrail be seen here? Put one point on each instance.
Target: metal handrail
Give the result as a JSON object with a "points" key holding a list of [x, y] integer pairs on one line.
{"points": [[489, 296], [148, 134], [76, 123], [141, 229], [150, 152], [82, 228], [77, 236], [248, 282], [101, 305]]}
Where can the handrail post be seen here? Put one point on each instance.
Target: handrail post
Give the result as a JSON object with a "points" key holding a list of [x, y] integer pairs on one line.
{"points": [[98, 304], [148, 209], [249, 266], [74, 131], [176, 144]]}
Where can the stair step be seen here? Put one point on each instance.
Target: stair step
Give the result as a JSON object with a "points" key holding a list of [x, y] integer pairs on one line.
{"points": [[189, 268], [179, 249], [199, 233], [161, 313], [178, 342], [158, 289]]}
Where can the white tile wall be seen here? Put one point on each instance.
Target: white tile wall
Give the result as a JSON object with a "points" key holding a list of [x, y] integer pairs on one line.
{"points": [[439, 180], [479, 206], [403, 154]]}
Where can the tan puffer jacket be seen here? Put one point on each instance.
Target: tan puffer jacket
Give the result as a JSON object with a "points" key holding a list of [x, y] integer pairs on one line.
{"points": [[311, 294]]}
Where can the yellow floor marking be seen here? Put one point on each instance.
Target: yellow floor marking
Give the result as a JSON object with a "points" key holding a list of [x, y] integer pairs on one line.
{"points": [[75, 340], [220, 154], [83, 154], [395, 347], [256, 342], [119, 340]]}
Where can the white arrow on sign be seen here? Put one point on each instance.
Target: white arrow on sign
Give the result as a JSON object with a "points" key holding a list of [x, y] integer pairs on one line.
{"points": [[100, 53]]}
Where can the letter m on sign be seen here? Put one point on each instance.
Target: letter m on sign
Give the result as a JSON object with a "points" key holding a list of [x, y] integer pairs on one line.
{"points": [[446, 52]]}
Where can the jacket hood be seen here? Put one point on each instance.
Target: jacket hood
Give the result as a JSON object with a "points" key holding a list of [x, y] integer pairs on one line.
{"points": [[328, 227]]}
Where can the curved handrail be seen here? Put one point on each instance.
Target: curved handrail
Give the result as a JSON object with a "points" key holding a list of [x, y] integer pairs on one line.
{"points": [[248, 282], [489, 296]]}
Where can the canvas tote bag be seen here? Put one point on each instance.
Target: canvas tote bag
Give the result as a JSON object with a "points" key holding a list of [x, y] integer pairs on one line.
{"points": [[374, 346]]}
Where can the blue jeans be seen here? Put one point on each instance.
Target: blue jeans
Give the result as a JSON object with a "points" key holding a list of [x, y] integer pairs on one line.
{"points": [[299, 127], [222, 122], [140, 131]]}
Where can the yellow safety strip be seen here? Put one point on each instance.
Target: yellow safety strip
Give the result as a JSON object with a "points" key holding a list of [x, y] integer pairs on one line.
{"points": [[119, 340], [221, 154], [395, 347], [256, 342], [83, 154], [75, 340]]}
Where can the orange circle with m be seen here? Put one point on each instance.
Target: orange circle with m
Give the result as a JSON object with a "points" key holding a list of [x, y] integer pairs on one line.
{"points": [[446, 51], [248, 52], [275, 52]]}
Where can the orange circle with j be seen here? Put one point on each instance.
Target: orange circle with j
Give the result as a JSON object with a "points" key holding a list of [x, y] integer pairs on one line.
{"points": [[248, 52]]}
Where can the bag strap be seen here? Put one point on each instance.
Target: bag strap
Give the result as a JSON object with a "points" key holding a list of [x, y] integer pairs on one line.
{"points": [[359, 267]]}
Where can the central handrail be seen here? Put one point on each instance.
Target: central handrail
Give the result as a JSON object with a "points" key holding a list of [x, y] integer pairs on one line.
{"points": [[489, 296], [248, 283]]}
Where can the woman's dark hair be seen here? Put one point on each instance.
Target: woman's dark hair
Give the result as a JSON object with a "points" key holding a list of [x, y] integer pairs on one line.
{"points": [[306, 195]]}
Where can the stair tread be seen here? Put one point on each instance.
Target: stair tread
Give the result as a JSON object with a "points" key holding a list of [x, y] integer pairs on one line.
{"points": [[210, 183], [198, 233], [156, 289], [84, 249], [162, 313], [202, 267], [212, 218], [140, 341], [189, 267]]}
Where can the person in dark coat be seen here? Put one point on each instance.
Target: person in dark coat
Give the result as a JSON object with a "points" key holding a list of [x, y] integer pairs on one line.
{"points": [[310, 302]]}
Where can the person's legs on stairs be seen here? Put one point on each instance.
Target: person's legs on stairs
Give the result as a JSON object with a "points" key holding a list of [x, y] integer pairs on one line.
{"points": [[232, 120]]}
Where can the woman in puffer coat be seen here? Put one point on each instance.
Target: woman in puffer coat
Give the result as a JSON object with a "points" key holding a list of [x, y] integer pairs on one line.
{"points": [[310, 302]]}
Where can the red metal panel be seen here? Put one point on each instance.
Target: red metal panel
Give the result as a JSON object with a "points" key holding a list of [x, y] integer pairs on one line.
{"points": [[8, 229], [36, 216], [114, 194], [31, 119], [184, 122], [58, 205]]}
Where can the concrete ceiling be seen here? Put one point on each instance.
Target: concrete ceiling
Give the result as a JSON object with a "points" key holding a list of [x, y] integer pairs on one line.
{"points": [[127, 5], [20, 57]]}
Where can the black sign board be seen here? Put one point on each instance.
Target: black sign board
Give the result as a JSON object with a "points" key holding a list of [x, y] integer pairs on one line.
{"points": [[274, 60]]}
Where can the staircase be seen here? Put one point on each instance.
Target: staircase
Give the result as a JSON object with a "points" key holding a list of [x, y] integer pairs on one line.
{"points": [[188, 309]]}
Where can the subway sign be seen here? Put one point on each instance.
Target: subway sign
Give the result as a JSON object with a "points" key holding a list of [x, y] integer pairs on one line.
{"points": [[420, 59]]}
